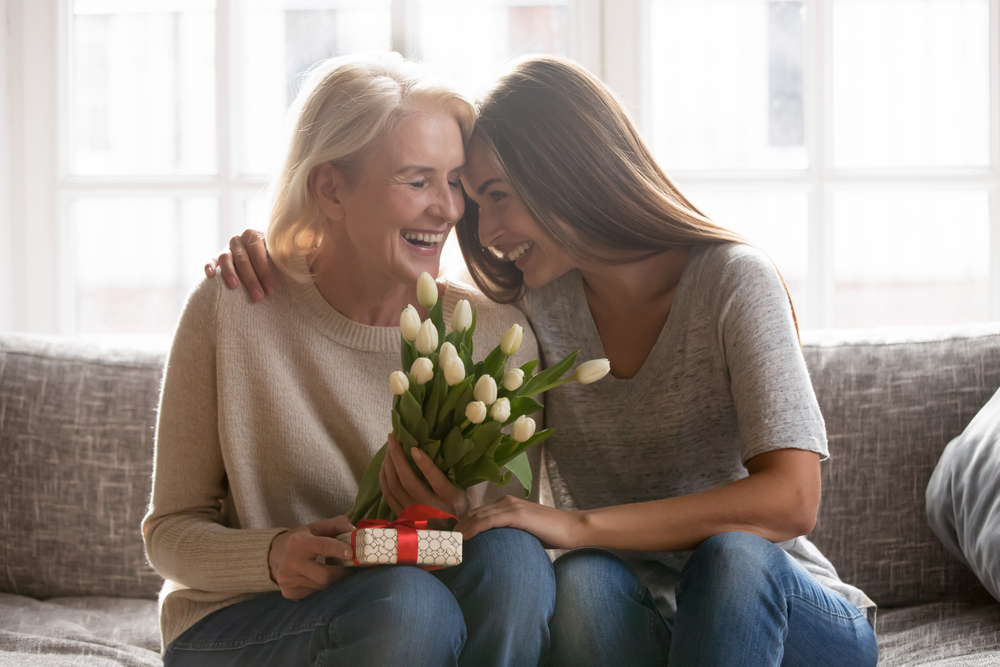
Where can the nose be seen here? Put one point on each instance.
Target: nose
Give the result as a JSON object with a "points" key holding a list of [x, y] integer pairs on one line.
{"points": [[449, 205]]}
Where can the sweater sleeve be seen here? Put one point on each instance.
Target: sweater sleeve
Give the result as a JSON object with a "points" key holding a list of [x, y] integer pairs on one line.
{"points": [[775, 403], [185, 532]]}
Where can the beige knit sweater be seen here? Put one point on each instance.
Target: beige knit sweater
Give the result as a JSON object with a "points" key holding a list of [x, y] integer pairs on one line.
{"points": [[268, 417]]}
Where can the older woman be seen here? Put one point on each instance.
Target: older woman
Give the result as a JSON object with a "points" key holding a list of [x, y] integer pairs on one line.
{"points": [[268, 421]]}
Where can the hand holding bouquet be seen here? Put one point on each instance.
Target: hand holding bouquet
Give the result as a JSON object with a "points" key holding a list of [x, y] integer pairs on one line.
{"points": [[453, 408]]}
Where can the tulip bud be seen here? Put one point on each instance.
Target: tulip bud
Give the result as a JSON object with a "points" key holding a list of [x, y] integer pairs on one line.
{"points": [[591, 371], [512, 340], [427, 338], [486, 390], [427, 290], [524, 428], [447, 352], [461, 317], [475, 412], [422, 370], [454, 371], [399, 382], [512, 379], [500, 411], [409, 323]]}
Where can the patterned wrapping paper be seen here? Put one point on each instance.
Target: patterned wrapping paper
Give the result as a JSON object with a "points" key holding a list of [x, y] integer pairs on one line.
{"points": [[378, 546]]}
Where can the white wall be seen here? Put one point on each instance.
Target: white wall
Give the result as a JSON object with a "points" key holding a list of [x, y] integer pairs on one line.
{"points": [[6, 276]]}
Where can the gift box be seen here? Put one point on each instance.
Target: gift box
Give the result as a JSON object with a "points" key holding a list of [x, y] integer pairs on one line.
{"points": [[380, 546], [405, 541]]}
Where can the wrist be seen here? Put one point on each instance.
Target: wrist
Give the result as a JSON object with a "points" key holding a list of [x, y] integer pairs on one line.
{"points": [[272, 557], [581, 530]]}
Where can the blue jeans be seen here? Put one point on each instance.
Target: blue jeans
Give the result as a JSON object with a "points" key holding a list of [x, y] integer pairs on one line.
{"points": [[493, 609], [741, 601]]}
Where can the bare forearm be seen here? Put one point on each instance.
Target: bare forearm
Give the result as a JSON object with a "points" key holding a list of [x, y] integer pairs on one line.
{"points": [[763, 504]]}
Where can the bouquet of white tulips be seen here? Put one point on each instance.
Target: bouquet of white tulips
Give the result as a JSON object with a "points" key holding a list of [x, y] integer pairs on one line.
{"points": [[455, 409]]}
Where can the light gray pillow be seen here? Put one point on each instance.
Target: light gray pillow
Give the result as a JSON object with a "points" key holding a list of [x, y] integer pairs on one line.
{"points": [[963, 496]]}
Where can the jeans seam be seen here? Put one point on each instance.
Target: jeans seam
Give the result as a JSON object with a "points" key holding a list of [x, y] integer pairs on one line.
{"points": [[831, 612], [250, 641]]}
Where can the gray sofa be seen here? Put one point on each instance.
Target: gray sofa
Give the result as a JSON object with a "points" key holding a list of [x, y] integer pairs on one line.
{"points": [[76, 431]]}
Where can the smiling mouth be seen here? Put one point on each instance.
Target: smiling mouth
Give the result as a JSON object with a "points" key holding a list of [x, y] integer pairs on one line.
{"points": [[516, 253], [422, 240]]}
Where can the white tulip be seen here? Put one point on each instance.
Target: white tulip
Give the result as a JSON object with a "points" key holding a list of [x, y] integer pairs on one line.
{"points": [[461, 317], [592, 371], [447, 352], [409, 323], [398, 382], [511, 341], [500, 411], [422, 370], [427, 290], [512, 379], [486, 390], [524, 428], [454, 371], [427, 338], [475, 412]]}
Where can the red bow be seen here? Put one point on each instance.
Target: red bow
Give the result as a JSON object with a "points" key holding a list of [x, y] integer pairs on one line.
{"points": [[413, 517]]}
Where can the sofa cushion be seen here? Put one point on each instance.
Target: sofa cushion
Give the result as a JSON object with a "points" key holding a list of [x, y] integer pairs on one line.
{"points": [[892, 400], [76, 448], [963, 496], [78, 631], [944, 634]]}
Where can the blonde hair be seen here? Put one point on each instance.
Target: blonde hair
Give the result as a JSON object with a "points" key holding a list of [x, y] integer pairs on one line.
{"points": [[569, 149], [345, 107]]}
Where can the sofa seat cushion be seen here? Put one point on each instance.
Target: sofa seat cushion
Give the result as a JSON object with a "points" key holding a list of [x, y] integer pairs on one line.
{"points": [[79, 631], [942, 634]]}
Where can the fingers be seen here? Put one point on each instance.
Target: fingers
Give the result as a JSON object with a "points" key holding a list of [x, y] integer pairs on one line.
{"points": [[245, 268], [437, 479], [228, 270], [211, 267], [338, 525], [256, 246], [412, 486]]}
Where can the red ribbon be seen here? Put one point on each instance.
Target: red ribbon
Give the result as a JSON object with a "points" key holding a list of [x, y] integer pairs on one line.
{"points": [[413, 517]]}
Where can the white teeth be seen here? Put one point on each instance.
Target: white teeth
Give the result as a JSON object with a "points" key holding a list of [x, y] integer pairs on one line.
{"points": [[519, 250], [425, 238]]}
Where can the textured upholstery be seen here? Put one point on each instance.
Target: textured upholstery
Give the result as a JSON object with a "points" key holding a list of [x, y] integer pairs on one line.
{"points": [[892, 402], [76, 427]]}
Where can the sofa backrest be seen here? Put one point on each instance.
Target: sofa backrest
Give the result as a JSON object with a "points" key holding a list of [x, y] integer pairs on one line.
{"points": [[892, 400], [76, 452]]}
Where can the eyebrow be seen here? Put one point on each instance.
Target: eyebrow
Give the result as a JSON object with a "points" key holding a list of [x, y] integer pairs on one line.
{"points": [[421, 169], [482, 188]]}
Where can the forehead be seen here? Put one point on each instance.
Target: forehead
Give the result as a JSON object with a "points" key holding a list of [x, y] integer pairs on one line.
{"points": [[478, 166], [426, 139]]}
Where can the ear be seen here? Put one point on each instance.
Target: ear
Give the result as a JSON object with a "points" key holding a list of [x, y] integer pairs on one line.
{"points": [[327, 185]]}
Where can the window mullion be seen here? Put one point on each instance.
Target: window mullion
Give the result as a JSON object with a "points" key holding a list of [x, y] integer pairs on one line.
{"points": [[995, 159]]}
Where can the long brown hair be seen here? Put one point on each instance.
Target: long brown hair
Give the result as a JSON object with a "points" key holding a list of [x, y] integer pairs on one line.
{"points": [[569, 149]]}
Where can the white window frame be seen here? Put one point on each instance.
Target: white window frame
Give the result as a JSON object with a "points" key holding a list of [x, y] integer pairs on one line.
{"points": [[607, 36], [626, 70]]}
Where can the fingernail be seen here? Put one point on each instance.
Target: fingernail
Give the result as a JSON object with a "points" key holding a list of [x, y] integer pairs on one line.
{"points": [[232, 282], [257, 295], [417, 454], [209, 269], [270, 290]]}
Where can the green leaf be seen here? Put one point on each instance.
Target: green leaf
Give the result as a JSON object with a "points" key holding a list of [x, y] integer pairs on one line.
{"points": [[422, 432], [529, 367], [537, 383], [483, 470], [410, 411], [482, 437], [494, 363], [521, 468], [406, 440], [431, 448], [407, 353], [436, 316], [369, 489], [454, 394], [453, 448], [515, 448], [434, 401]]}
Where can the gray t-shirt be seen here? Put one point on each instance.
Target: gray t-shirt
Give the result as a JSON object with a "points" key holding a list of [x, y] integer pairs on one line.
{"points": [[724, 382]]}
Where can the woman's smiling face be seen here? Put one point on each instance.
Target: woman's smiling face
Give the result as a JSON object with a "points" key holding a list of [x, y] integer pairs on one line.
{"points": [[505, 224], [407, 198]]}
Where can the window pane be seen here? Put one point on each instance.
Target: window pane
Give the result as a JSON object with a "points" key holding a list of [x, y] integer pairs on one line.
{"points": [[911, 83], [280, 40], [776, 222], [142, 95], [898, 262], [727, 89], [137, 259], [470, 41]]}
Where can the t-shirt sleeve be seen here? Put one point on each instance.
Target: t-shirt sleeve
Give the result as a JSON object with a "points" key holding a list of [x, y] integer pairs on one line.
{"points": [[184, 530], [775, 403]]}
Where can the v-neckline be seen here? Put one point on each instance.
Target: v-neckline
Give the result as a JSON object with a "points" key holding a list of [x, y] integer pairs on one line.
{"points": [[588, 327]]}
